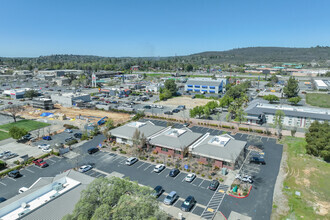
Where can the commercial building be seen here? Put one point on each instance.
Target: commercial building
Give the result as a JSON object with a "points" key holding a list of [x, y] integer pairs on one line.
{"points": [[48, 197], [220, 151], [295, 116], [173, 141], [70, 99], [124, 134], [205, 85], [43, 103], [62, 81], [320, 84], [16, 93], [154, 87]]}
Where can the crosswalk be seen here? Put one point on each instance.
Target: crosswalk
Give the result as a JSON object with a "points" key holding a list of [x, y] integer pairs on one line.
{"points": [[215, 202]]}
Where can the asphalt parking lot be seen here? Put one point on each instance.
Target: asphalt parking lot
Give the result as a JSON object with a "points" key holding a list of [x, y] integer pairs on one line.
{"points": [[58, 138], [258, 205]]}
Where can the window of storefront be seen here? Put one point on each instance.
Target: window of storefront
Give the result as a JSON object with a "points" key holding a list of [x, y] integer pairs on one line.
{"points": [[164, 149]]}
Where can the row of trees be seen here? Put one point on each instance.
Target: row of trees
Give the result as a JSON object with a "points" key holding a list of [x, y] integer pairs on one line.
{"points": [[170, 89]]}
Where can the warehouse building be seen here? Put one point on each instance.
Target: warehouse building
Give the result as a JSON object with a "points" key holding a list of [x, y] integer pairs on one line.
{"points": [[295, 116], [70, 99], [205, 85], [320, 84]]}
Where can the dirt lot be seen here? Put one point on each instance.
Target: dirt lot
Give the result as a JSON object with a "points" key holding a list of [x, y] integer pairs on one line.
{"points": [[187, 101], [30, 112]]}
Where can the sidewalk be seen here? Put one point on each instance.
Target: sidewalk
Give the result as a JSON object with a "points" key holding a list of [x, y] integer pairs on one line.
{"points": [[176, 212]]}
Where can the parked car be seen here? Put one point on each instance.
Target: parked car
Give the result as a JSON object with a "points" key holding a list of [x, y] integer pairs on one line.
{"points": [[181, 107], [68, 130], [131, 161], [27, 137], [258, 160], [147, 107], [174, 172], [170, 198], [23, 189], [188, 204], [10, 103], [9, 155], [214, 185], [40, 163], [69, 139], [78, 135], [47, 138], [168, 113], [158, 190], [176, 110], [85, 168], [14, 174], [92, 150], [190, 177], [2, 199], [158, 168], [186, 124], [42, 146]]}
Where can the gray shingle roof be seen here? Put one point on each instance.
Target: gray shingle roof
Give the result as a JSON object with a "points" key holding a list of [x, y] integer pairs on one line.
{"points": [[228, 153], [170, 139], [127, 131]]}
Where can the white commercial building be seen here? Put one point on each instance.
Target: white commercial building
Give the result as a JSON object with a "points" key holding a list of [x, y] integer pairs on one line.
{"points": [[70, 99], [320, 84]]}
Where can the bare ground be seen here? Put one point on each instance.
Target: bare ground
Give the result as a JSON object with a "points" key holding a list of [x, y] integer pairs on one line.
{"points": [[184, 100]]}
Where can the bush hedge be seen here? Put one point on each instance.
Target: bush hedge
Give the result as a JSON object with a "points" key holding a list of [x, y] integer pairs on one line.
{"points": [[243, 129], [4, 173], [67, 126]]}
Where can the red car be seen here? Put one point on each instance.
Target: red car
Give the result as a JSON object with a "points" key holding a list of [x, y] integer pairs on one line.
{"points": [[40, 163], [10, 103]]}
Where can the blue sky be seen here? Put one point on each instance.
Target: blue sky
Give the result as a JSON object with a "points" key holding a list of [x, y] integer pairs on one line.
{"points": [[158, 27]]}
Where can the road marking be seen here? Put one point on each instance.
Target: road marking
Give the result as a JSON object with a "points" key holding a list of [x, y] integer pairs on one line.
{"points": [[148, 167], [52, 160], [241, 135], [210, 210], [200, 183], [182, 179], [222, 191], [177, 176], [268, 139], [194, 184], [161, 172], [100, 174], [140, 165], [11, 179], [176, 201], [194, 208], [123, 161], [29, 170], [3, 183], [167, 175]]}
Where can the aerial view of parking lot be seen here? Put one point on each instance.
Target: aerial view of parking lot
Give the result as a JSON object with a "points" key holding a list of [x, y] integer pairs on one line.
{"points": [[214, 110]]}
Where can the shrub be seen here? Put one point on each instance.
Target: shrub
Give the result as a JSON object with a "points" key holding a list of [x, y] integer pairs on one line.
{"points": [[157, 161], [193, 171], [168, 164], [197, 172], [250, 130], [225, 126], [72, 142], [29, 160], [4, 173], [114, 148], [2, 164], [56, 153], [155, 152], [216, 168], [232, 127], [188, 170], [123, 152], [243, 129], [203, 174], [152, 160], [221, 180], [44, 156], [210, 177], [168, 156], [268, 132], [67, 126], [245, 193], [259, 131]]}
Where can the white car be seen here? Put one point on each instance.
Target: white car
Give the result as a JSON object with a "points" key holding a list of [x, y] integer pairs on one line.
{"points": [[23, 189], [43, 146], [85, 168], [158, 168], [131, 161], [190, 177], [47, 150]]}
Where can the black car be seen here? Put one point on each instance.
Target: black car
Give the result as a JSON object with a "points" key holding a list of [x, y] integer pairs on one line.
{"points": [[14, 174], [147, 107], [78, 135], [176, 110], [168, 113], [174, 172], [158, 190], [188, 204], [258, 160], [92, 150], [2, 199], [214, 185], [69, 139]]}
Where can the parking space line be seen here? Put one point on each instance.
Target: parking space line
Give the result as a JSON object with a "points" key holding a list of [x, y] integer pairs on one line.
{"points": [[148, 167], [167, 175], [176, 202], [52, 160], [268, 139], [29, 170], [3, 183], [176, 176], [241, 135], [11, 179], [194, 208], [140, 165], [161, 171], [201, 183], [100, 174]]}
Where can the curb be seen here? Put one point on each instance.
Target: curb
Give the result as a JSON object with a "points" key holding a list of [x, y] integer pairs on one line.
{"points": [[241, 197]]}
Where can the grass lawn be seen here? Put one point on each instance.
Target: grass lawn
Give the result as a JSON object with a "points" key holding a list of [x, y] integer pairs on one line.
{"points": [[29, 125], [309, 176], [318, 99], [4, 135]]}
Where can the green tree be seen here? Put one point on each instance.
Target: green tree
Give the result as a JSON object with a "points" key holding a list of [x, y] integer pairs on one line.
{"points": [[271, 98], [31, 93], [109, 124], [295, 100], [17, 133], [115, 198], [278, 121], [292, 88], [225, 101], [170, 85], [318, 140], [206, 111], [189, 68], [240, 115], [273, 79]]}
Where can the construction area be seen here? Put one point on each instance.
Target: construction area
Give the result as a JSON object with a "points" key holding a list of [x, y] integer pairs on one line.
{"points": [[185, 100]]}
